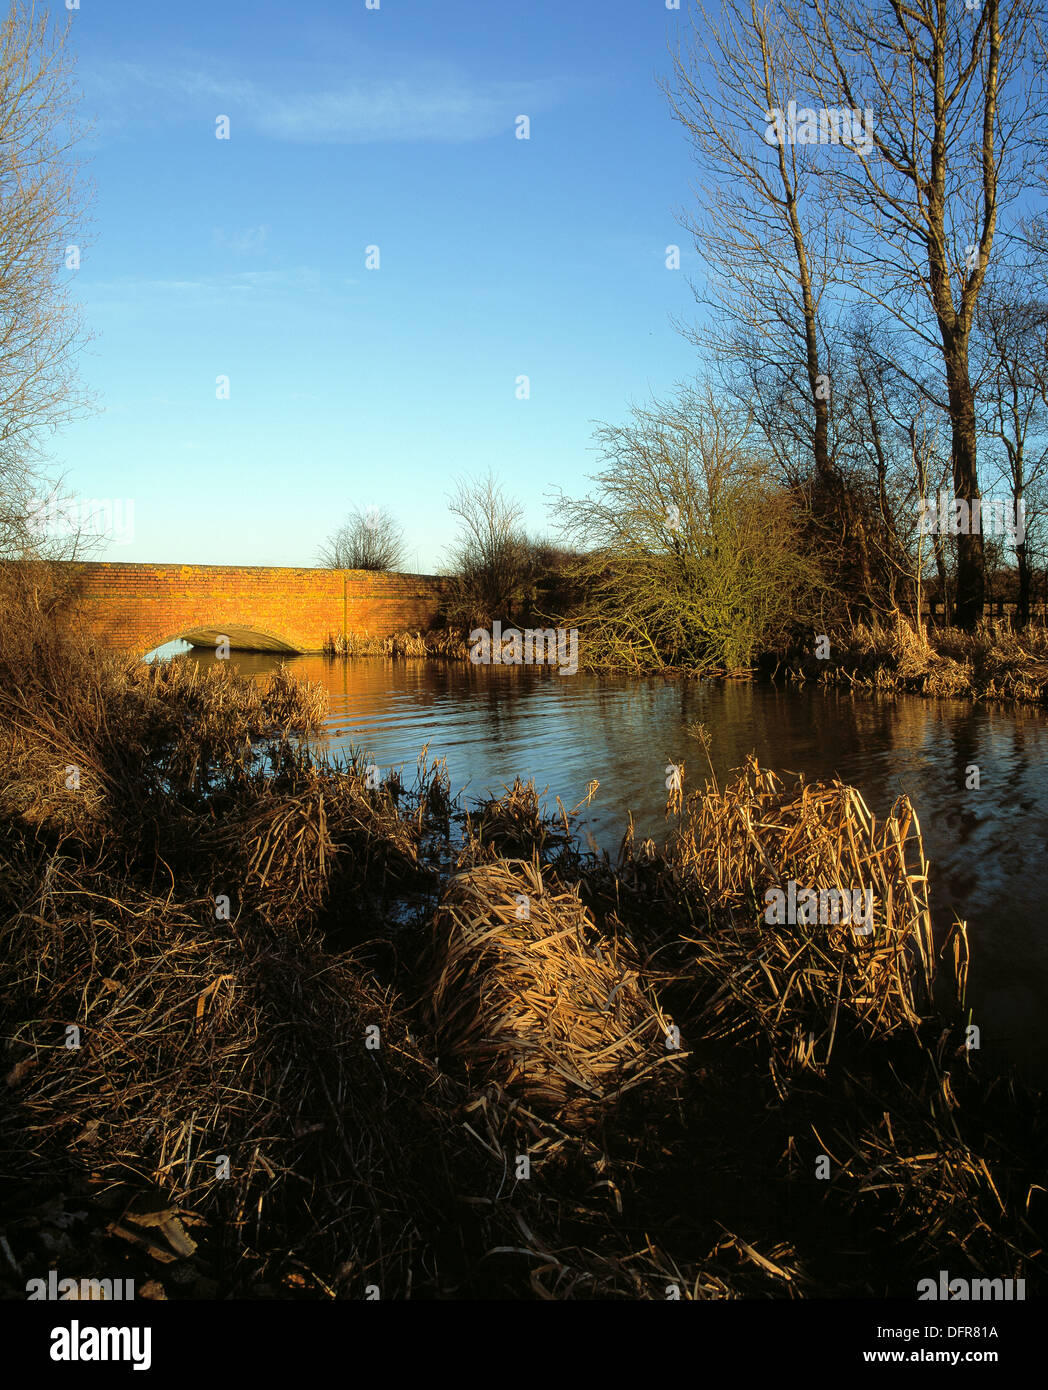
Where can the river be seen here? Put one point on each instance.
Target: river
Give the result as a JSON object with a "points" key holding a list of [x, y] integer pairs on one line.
{"points": [[987, 848]]}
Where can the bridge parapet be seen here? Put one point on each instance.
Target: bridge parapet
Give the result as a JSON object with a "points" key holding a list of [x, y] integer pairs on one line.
{"points": [[137, 607]]}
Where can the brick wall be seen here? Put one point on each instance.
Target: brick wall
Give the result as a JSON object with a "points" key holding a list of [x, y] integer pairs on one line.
{"points": [[138, 607]]}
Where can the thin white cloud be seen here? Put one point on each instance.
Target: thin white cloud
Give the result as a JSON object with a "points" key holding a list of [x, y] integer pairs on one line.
{"points": [[303, 277], [374, 111], [425, 101], [242, 282]]}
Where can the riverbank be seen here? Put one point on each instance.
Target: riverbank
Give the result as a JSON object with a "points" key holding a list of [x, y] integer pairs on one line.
{"points": [[993, 663], [338, 1036]]}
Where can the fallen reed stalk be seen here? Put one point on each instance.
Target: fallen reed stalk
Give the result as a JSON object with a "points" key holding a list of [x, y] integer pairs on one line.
{"points": [[524, 991]]}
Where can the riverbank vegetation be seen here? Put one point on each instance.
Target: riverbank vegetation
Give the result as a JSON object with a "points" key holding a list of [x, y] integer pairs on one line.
{"points": [[864, 457], [275, 1029], [992, 663], [444, 642], [690, 554]]}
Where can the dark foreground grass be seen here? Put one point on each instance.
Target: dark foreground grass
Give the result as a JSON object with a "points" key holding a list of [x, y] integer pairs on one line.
{"points": [[224, 1074]]}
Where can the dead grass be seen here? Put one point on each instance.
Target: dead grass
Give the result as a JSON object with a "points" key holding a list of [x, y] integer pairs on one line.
{"points": [[992, 663], [800, 986], [526, 992], [401, 644], [374, 1104], [202, 1042]]}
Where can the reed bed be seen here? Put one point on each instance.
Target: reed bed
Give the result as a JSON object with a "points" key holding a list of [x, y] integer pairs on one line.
{"points": [[441, 642], [516, 824], [173, 907], [374, 1102], [992, 663], [803, 987], [306, 822], [223, 1080]]}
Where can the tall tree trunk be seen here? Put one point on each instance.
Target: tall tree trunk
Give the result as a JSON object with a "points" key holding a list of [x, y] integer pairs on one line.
{"points": [[944, 580], [971, 577], [1022, 611]]}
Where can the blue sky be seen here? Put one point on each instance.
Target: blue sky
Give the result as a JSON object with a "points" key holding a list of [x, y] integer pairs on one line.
{"points": [[245, 258]]}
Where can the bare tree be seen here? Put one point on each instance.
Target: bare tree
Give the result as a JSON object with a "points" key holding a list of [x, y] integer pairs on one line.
{"points": [[766, 231], [691, 551], [1011, 332], [369, 540], [491, 563], [954, 109], [43, 203], [892, 424]]}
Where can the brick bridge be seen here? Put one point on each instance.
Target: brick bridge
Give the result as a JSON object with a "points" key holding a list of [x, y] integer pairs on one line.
{"points": [[139, 607]]}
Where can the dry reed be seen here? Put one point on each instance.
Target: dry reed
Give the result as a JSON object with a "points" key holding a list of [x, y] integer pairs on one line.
{"points": [[440, 642], [523, 990], [800, 986], [547, 986], [992, 663]]}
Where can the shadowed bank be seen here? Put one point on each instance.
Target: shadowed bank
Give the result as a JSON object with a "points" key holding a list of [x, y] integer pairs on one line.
{"points": [[558, 1077]]}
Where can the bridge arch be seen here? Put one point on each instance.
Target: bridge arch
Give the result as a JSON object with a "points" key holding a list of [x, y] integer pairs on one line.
{"points": [[241, 638]]}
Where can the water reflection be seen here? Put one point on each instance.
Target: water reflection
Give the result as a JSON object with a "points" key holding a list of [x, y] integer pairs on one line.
{"points": [[988, 848]]}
